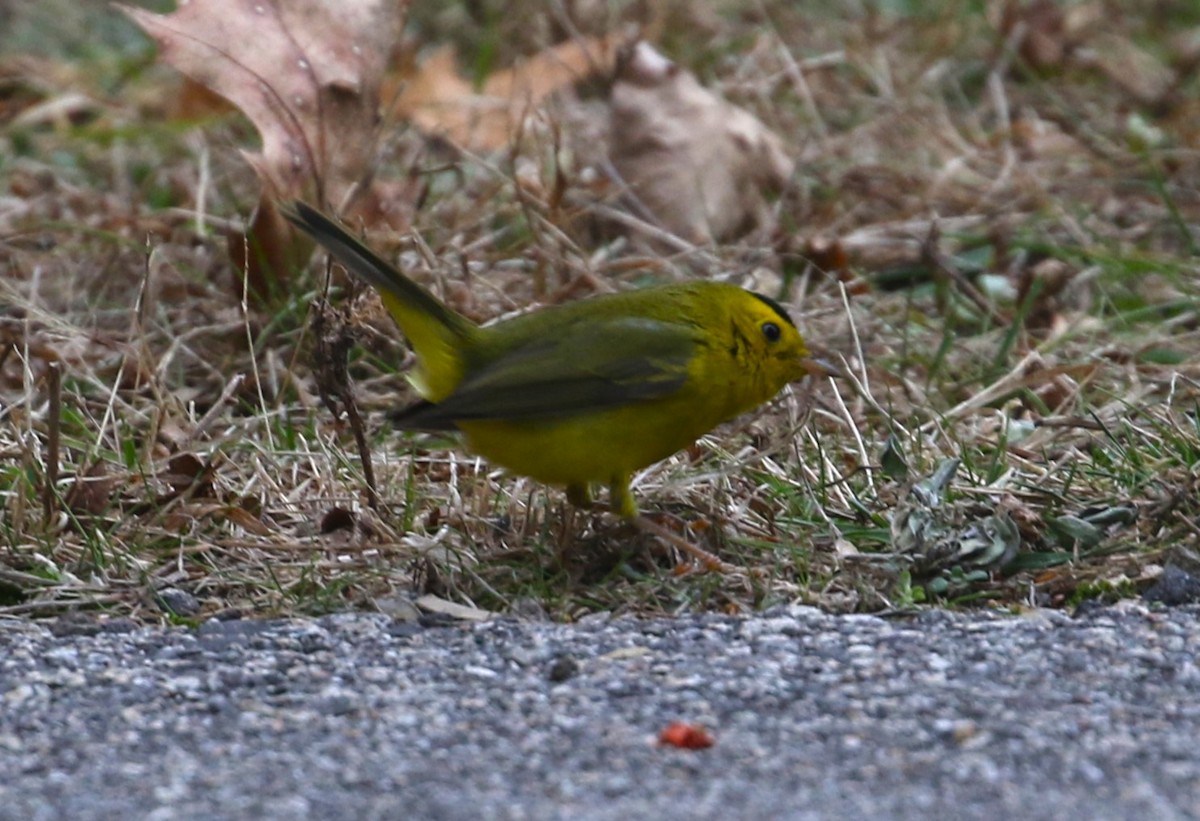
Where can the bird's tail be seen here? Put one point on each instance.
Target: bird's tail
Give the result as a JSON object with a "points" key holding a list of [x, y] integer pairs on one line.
{"points": [[438, 334]]}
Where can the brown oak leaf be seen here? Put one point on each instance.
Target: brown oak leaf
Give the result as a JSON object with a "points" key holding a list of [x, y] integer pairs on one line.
{"points": [[307, 74]]}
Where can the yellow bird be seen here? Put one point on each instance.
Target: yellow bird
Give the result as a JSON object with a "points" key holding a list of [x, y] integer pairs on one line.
{"points": [[590, 391]]}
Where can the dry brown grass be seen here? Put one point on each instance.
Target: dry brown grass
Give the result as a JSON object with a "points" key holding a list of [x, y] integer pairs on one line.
{"points": [[1021, 294]]}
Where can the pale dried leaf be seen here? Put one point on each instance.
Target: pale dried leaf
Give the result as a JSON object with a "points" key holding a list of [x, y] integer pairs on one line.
{"points": [[1138, 72], [61, 111], [433, 604], [1045, 31], [696, 163]]}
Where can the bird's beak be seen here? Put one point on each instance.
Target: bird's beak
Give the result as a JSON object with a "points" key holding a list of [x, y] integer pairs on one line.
{"points": [[821, 366]]}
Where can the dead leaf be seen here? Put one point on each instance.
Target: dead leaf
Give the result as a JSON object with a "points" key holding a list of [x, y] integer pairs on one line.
{"points": [[172, 434], [188, 473], [1131, 68], [336, 518], [195, 101], [308, 79], [433, 604], [843, 547], [436, 98], [92, 492], [244, 519], [38, 91], [393, 203], [266, 254], [1050, 277], [1040, 41], [829, 257], [695, 163], [307, 75], [1045, 31], [1042, 139], [61, 112]]}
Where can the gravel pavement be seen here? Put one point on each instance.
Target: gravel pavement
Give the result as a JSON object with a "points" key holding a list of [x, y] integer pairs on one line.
{"points": [[813, 716]]}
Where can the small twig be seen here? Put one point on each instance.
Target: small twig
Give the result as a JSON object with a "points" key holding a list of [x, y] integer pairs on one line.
{"points": [[709, 560], [19, 579], [245, 306], [50, 605], [334, 338], [200, 481], [865, 386], [941, 264], [902, 237], [364, 450], [864, 457], [998, 388], [1068, 422], [202, 189], [795, 73], [1004, 128], [54, 385], [672, 241], [213, 412]]}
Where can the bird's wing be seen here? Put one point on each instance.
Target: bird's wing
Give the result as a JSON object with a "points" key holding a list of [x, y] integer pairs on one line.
{"points": [[592, 365]]}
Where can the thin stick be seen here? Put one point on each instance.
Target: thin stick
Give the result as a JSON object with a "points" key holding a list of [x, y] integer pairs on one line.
{"points": [[54, 384], [709, 560], [364, 450], [795, 73], [933, 256], [206, 421]]}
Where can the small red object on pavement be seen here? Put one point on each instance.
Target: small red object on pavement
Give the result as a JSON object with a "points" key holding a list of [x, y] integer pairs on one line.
{"points": [[685, 736]]}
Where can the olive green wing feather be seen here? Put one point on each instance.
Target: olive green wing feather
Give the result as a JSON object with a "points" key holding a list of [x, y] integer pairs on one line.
{"points": [[593, 365]]}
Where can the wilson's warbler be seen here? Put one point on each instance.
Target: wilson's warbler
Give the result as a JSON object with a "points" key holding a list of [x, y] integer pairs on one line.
{"points": [[589, 391]]}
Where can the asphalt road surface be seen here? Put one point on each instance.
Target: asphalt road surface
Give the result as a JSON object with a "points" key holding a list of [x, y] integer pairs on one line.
{"points": [[810, 715]]}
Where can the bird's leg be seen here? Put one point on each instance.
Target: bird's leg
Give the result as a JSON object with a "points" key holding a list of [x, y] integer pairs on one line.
{"points": [[620, 497], [580, 496]]}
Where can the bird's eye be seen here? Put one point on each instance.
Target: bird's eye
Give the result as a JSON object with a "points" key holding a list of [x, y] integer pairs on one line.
{"points": [[771, 331]]}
